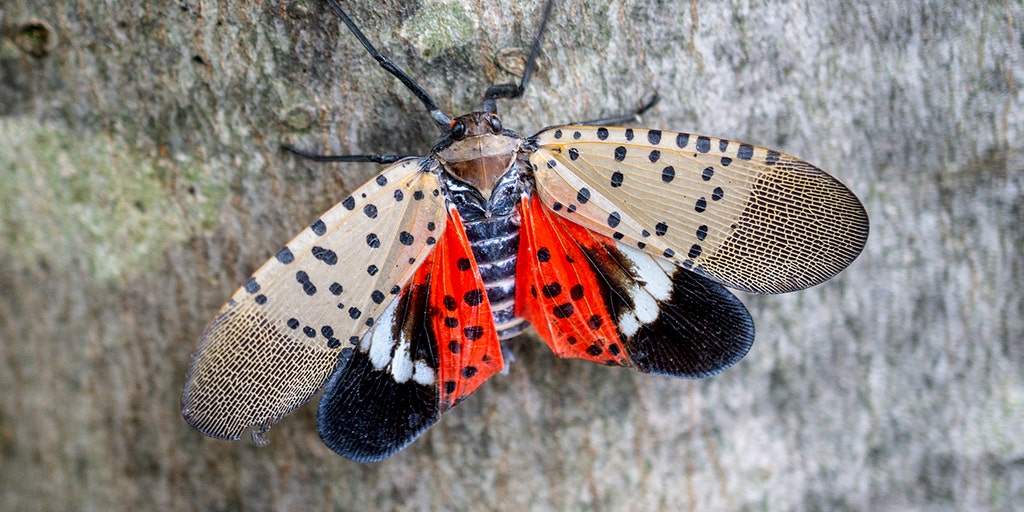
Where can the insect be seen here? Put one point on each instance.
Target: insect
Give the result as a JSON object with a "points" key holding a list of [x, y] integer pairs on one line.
{"points": [[616, 244]]}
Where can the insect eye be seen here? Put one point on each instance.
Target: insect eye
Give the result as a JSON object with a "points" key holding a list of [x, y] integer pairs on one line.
{"points": [[495, 124], [458, 130]]}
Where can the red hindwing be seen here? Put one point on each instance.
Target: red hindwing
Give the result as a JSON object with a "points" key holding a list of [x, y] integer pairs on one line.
{"points": [[558, 291], [460, 317]]}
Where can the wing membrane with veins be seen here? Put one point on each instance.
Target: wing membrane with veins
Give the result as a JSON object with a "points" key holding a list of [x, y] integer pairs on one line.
{"points": [[748, 217], [278, 339]]}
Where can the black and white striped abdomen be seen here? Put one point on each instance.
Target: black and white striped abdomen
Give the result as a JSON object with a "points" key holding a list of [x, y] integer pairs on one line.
{"points": [[495, 244]]}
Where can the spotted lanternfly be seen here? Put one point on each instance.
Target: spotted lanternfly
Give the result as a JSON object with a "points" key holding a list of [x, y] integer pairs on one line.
{"points": [[615, 244]]}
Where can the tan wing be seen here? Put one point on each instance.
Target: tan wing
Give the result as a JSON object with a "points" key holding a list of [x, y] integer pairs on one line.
{"points": [[277, 340], [748, 217]]}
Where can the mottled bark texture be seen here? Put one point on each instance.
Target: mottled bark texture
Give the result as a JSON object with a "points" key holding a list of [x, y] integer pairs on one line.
{"points": [[141, 181]]}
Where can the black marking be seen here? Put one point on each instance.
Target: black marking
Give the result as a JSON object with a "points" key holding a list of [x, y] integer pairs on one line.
{"points": [[451, 322], [613, 219], [654, 136], [723, 144], [293, 323], [307, 286], [543, 255], [576, 292], [252, 286], [309, 331], [381, 180], [620, 153], [707, 173], [617, 235], [369, 322], [629, 134], [660, 229], [431, 240], [576, 135], [333, 343], [695, 251], [702, 204], [595, 321], [469, 371], [772, 157], [399, 195], [349, 203], [417, 195], [372, 240], [573, 153], [668, 253], [370, 211], [583, 195], [319, 228], [558, 134], [354, 313], [551, 290], [405, 238], [717, 194], [464, 264], [668, 174], [261, 299], [703, 144], [702, 232], [285, 256], [556, 206], [617, 179], [372, 270], [449, 303], [602, 133], [682, 139], [325, 255], [431, 226], [377, 296], [354, 340], [645, 233], [595, 350], [473, 332], [552, 163], [654, 156], [341, 305], [454, 346], [449, 386], [640, 245], [395, 289], [563, 310], [614, 349], [746, 152], [726, 161], [473, 298], [571, 208], [327, 331], [336, 288]]}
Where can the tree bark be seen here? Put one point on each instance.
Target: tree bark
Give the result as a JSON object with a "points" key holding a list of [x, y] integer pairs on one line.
{"points": [[142, 180]]}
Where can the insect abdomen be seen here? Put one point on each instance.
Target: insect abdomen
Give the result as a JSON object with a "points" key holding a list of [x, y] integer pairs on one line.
{"points": [[495, 244]]}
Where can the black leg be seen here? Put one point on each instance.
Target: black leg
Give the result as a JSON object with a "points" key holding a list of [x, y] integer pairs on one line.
{"points": [[511, 90], [441, 119], [380, 159], [632, 117]]}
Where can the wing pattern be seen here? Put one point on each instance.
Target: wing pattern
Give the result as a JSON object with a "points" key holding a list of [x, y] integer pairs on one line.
{"points": [[748, 217]]}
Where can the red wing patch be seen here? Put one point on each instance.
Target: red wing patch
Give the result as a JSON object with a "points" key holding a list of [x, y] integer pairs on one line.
{"points": [[460, 314], [558, 291]]}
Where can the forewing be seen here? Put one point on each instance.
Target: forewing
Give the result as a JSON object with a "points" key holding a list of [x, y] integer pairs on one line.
{"points": [[277, 340], [590, 297], [427, 351], [746, 216]]}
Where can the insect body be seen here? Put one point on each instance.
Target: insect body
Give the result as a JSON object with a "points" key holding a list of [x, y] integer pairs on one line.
{"points": [[615, 244]]}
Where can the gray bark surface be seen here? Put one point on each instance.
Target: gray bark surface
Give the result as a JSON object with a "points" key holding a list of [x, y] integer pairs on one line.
{"points": [[141, 182]]}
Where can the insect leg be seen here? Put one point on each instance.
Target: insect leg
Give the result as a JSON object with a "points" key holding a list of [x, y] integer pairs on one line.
{"points": [[632, 117], [380, 159], [441, 119], [511, 90]]}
